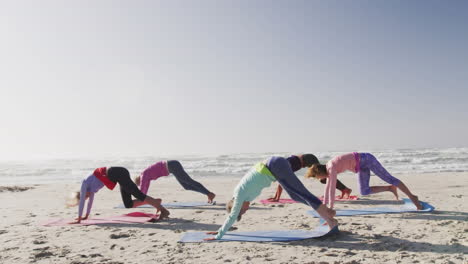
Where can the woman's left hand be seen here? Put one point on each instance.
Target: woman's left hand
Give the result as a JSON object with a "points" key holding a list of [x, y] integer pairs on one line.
{"points": [[210, 239], [211, 233]]}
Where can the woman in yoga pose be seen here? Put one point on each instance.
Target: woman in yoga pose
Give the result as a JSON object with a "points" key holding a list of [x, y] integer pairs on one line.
{"points": [[109, 177], [164, 168], [261, 176], [363, 164], [298, 162]]}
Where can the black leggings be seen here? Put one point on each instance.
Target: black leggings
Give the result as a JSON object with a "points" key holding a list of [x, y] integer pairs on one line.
{"points": [[339, 185], [127, 186]]}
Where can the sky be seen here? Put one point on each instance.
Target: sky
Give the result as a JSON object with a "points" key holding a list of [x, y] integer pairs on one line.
{"points": [[129, 78]]}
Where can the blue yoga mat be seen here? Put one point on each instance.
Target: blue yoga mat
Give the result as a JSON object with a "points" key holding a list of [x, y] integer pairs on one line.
{"points": [[407, 207], [262, 236], [174, 205]]}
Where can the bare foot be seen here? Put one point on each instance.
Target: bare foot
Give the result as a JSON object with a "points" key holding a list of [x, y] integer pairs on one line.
{"points": [[211, 196], [346, 193], [416, 202], [164, 214], [333, 223], [394, 190]]}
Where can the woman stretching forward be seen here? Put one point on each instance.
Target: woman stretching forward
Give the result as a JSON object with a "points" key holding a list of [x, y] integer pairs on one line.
{"points": [[110, 177], [298, 162], [261, 176], [164, 168], [363, 164]]}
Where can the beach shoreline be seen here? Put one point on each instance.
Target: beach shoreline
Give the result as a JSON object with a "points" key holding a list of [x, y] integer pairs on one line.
{"points": [[438, 237]]}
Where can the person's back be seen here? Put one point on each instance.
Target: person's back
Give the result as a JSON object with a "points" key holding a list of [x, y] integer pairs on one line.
{"points": [[342, 163], [251, 185]]}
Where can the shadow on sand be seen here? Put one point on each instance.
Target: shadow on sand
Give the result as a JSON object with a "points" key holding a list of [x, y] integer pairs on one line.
{"points": [[175, 224], [220, 208], [437, 215], [372, 202], [352, 241]]}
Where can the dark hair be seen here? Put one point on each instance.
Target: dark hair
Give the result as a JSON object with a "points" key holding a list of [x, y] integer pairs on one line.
{"points": [[316, 169], [309, 160]]}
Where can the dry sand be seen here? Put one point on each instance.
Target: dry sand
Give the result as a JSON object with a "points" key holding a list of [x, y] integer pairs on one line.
{"points": [[438, 237]]}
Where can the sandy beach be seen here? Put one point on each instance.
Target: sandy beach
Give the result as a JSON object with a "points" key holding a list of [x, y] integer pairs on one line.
{"points": [[437, 237]]}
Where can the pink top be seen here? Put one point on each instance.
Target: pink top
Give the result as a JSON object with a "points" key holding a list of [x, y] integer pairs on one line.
{"points": [[159, 169], [339, 164]]}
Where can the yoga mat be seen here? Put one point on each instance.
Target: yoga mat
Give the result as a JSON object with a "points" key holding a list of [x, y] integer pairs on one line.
{"points": [[135, 217], [173, 205], [407, 207], [289, 201], [262, 236]]}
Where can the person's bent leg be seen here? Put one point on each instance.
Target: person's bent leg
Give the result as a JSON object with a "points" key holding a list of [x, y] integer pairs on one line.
{"points": [[340, 186], [122, 176], [186, 181], [116, 174], [388, 188], [383, 174], [126, 198], [297, 191], [413, 198], [146, 199], [364, 178], [345, 191]]}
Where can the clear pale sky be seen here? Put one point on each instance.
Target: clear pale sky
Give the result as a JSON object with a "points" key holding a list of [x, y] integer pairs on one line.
{"points": [[98, 78]]}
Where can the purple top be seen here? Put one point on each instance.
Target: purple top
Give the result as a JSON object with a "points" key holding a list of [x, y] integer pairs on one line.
{"points": [[91, 185]]}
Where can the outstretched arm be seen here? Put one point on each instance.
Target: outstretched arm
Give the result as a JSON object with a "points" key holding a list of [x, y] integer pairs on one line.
{"points": [[277, 196], [332, 187], [230, 220], [84, 187], [90, 205], [144, 182]]}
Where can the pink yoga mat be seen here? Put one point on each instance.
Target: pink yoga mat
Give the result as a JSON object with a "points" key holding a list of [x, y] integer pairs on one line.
{"points": [[135, 217], [289, 201]]}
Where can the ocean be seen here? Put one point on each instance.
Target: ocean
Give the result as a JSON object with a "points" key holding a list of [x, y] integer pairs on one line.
{"points": [[398, 161]]}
